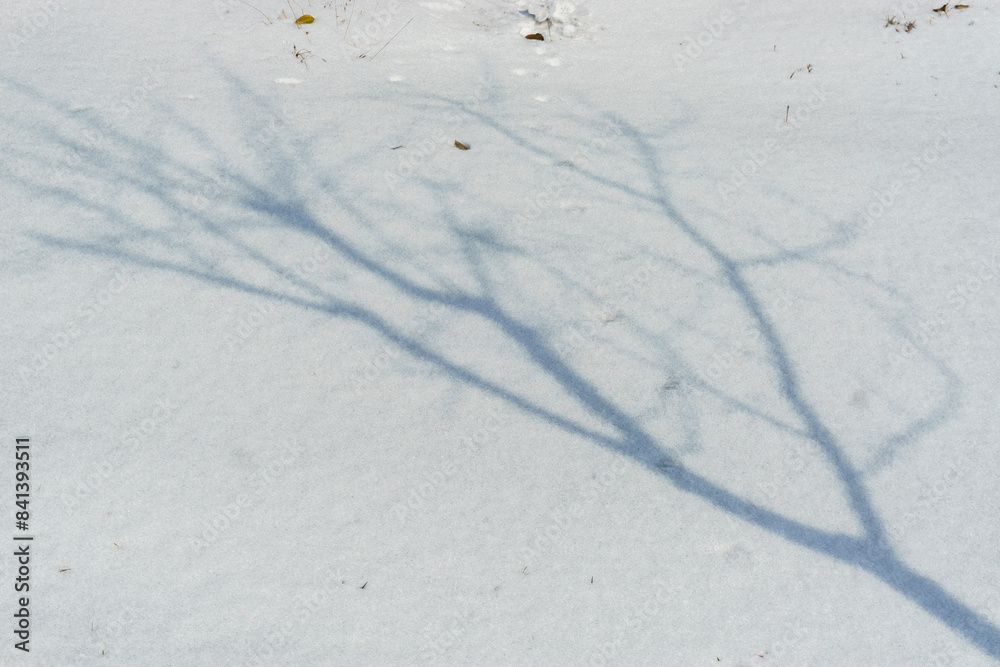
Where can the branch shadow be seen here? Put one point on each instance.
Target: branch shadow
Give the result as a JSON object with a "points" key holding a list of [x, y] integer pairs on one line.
{"points": [[199, 242]]}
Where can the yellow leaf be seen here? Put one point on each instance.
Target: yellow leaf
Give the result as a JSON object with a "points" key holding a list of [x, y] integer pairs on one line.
{"points": [[305, 18], [460, 146]]}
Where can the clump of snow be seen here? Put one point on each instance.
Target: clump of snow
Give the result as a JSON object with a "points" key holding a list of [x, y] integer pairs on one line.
{"points": [[560, 18]]}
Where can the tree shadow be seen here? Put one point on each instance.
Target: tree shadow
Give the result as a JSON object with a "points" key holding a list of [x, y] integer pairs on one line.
{"points": [[217, 220]]}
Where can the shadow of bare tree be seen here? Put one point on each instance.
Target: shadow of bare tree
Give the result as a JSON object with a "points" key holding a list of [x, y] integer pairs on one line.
{"points": [[225, 216]]}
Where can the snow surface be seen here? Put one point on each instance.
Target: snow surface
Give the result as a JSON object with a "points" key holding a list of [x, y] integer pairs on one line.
{"points": [[691, 359]]}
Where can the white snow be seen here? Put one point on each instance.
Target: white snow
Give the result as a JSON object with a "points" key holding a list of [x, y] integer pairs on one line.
{"points": [[691, 359], [566, 17]]}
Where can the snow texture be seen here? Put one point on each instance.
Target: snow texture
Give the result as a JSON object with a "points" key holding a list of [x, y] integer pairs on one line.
{"points": [[690, 359], [565, 17]]}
